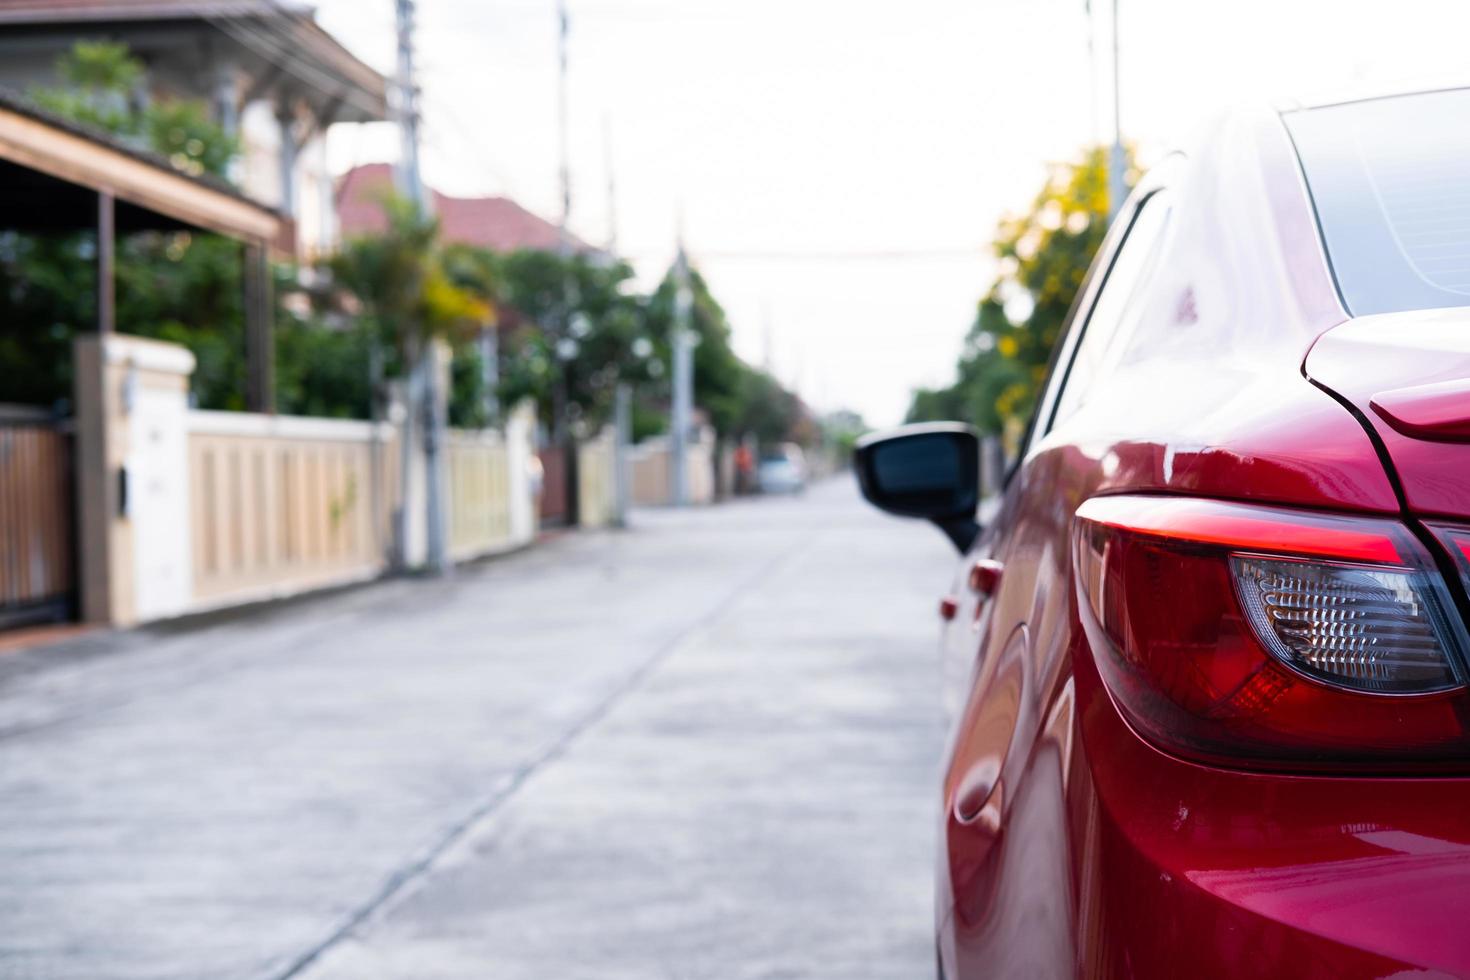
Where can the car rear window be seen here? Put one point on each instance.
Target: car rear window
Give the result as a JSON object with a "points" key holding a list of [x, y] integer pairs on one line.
{"points": [[1390, 179]]}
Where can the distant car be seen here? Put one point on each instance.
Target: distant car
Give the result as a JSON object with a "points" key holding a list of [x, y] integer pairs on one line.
{"points": [[783, 472], [1215, 720]]}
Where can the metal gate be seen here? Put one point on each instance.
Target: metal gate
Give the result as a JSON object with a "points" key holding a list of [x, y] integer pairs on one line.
{"points": [[37, 560]]}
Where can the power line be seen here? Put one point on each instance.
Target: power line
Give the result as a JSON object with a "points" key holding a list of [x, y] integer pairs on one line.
{"points": [[264, 34], [477, 149]]}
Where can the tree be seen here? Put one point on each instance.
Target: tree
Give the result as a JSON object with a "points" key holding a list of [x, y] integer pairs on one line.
{"points": [[177, 286], [572, 321], [766, 410], [103, 87], [405, 296], [1043, 256], [720, 383]]}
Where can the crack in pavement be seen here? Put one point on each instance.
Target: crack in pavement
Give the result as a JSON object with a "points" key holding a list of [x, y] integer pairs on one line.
{"points": [[509, 785]]}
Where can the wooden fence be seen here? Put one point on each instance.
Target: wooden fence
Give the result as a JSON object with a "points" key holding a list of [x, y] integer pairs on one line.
{"points": [[37, 567]]}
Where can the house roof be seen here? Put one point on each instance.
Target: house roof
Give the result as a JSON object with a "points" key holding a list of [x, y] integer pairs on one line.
{"points": [[496, 223], [48, 11], [281, 33], [43, 154]]}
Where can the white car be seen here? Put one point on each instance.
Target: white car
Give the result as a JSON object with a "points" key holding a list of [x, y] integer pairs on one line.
{"points": [[783, 472]]}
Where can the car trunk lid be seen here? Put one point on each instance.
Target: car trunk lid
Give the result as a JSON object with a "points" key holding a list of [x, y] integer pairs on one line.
{"points": [[1408, 376]]}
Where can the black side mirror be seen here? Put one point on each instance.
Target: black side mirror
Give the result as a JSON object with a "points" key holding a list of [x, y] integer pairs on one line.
{"points": [[930, 470]]}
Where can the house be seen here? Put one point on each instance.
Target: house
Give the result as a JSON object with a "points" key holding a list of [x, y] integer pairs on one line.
{"points": [[57, 560], [270, 74], [496, 223]]}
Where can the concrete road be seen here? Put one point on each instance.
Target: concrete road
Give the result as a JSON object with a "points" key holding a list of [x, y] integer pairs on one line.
{"points": [[704, 748]]}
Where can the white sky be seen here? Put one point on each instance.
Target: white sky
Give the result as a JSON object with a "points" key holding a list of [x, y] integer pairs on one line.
{"points": [[805, 135]]}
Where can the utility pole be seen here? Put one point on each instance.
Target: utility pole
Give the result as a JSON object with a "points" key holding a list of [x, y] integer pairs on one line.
{"points": [[410, 178], [683, 351], [564, 27], [1118, 161], [425, 405], [562, 434], [622, 447], [612, 188]]}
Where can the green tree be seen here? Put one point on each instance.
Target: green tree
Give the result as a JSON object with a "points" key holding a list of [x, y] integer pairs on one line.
{"points": [[404, 290], [766, 410], [573, 321], [323, 362], [102, 86], [721, 385], [477, 272], [740, 400], [176, 286], [1043, 256]]}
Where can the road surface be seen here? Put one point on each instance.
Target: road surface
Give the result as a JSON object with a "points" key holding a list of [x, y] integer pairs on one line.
{"points": [[703, 748]]}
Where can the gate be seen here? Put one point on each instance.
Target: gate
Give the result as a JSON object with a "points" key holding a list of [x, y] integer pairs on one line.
{"points": [[37, 560], [554, 509]]}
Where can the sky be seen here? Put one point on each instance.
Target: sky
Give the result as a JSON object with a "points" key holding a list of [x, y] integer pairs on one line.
{"points": [[838, 167]]}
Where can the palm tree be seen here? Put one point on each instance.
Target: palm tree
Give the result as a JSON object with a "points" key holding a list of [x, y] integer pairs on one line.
{"points": [[407, 299]]}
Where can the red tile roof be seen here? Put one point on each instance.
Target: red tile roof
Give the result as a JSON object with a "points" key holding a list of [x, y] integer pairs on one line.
{"points": [[496, 223]]}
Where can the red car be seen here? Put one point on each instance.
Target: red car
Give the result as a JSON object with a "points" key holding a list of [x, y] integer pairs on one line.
{"points": [[1215, 719]]}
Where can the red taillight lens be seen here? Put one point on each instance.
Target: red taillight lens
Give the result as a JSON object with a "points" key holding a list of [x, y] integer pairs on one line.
{"points": [[1456, 541], [1270, 637]]}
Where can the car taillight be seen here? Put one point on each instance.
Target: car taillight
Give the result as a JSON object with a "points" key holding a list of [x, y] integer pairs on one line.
{"points": [[1273, 638], [1456, 541]]}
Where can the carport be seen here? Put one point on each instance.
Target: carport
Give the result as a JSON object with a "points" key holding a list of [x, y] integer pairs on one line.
{"points": [[56, 177]]}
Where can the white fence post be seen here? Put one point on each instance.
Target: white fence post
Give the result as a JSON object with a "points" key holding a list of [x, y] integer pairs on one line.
{"points": [[520, 448]]}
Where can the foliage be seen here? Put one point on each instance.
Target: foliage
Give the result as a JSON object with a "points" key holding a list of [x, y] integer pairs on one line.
{"points": [[322, 368], [840, 432], [468, 395], [102, 86], [573, 321], [1043, 256], [766, 410], [403, 292], [174, 286], [44, 286], [740, 400], [720, 379]]}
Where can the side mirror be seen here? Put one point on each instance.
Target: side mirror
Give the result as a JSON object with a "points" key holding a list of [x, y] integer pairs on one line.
{"points": [[930, 470]]}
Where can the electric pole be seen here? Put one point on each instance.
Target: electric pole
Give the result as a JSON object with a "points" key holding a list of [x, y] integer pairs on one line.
{"points": [[683, 354], [564, 27], [1118, 161], [561, 430], [425, 405], [410, 178], [612, 188]]}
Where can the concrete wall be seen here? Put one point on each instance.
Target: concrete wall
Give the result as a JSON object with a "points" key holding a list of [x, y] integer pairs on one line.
{"points": [[652, 471], [491, 502], [597, 480], [283, 504], [183, 510]]}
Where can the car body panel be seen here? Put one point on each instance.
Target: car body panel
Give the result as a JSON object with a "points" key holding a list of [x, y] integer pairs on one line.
{"points": [[1068, 844], [1418, 362]]}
